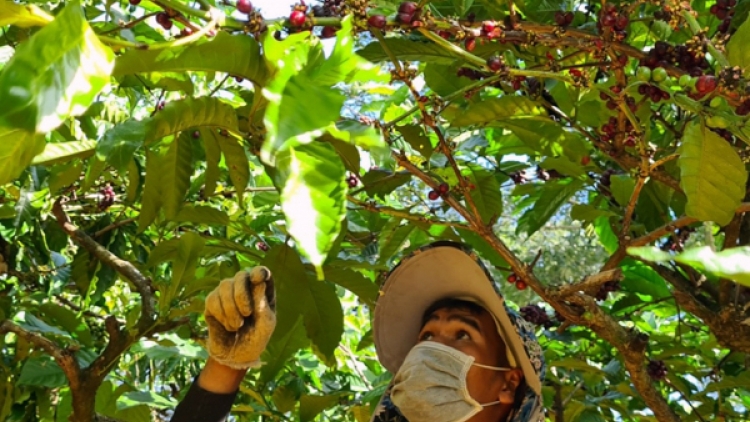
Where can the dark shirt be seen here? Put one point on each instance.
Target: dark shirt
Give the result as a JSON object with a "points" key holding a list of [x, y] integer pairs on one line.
{"points": [[200, 405]]}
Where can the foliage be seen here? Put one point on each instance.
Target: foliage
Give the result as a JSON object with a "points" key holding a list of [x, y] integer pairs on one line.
{"points": [[595, 156]]}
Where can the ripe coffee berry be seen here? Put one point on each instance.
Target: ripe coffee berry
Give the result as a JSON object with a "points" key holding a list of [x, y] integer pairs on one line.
{"points": [[443, 188], [512, 278], [488, 27], [521, 285], [244, 6], [433, 195], [408, 7], [494, 63], [705, 84], [164, 20], [470, 44], [585, 160], [297, 18], [405, 18], [196, 134], [377, 21], [263, 246], [328, 32], [135, 2]]}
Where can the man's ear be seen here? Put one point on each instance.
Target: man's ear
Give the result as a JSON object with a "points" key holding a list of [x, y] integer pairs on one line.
{"points": [[513, 379]]}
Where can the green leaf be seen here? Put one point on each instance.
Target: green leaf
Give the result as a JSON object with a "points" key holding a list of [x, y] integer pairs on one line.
{"points": [[355, 282], [236, 162], [550, 197], [281, 347], [310, 406], [17, 150], [185, 261], [381, 182], [119, 143], [299, 294], [499, 109], [313, 197], [588, 213], [418, 140], [42, 371], [64, 152], [442, 78], [712, 175], [202, 214], [391, 241], [169, 166], [732, 264], [736, 48], [486, 195], [55, 74], [409, 50], [149, 398], [237, 55], [23, 15], [68, 320]]}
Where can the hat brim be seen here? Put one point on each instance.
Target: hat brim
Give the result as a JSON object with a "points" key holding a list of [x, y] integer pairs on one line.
{"points": [[421, 280]]}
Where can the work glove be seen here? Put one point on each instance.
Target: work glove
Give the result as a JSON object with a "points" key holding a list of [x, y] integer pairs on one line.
{"points": [[240, 313]]}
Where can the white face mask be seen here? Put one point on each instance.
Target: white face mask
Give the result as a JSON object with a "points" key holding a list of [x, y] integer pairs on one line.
{"points": [[431, 385]]}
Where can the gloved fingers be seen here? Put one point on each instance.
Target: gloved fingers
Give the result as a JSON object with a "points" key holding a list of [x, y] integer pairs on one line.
{"points": [[213, 308], [259, 274], [264, 274], [232, 318], [242, 294]]}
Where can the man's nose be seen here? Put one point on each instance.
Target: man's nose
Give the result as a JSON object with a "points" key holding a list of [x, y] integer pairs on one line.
{"points": [[442, 338]]}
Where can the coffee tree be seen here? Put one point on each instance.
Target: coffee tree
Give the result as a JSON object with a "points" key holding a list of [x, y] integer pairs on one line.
{"points": [[594, 153]]}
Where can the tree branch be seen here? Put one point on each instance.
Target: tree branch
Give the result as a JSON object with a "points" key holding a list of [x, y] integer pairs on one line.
{"points": [[125, 268]]}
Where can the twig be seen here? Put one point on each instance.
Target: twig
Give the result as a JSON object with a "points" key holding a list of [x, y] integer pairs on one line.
{"points": [[589, 283], [535, 260], [130, 24], [685, 399], [572, 393], [114, 226], [379, 35], [367, 206], [663, 161], [630, 209], [353, 359], [218, 87]]}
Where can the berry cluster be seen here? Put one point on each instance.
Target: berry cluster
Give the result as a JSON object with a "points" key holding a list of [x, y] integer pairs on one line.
{"points": [[657, 369], [545, 175], [108, 197], [653, 92], [513, 278], [328, 8], [606, 288], [518, 177], [261, 245], [442, 190], [722, 9], [536, 315], [611, 17], [663, 55], [677, 242], [564, 18], [352, 181], [298, 17], [164, 20], [609, 130], [470, 73], [612, 103], [408, 12]]}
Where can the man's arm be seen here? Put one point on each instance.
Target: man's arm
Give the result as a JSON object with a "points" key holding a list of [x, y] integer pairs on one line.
{"points": [[240, 317], [211, 396]]}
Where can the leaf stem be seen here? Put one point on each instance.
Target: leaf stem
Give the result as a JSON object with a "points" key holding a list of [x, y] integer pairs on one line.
{"points": [[379, 35]]}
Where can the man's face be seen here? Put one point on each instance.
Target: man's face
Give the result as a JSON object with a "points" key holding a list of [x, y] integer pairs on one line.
{"points": [[475, 334]]}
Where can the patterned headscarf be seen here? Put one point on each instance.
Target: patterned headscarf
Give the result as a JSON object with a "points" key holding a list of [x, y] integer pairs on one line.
{"points": [[530, 408]]}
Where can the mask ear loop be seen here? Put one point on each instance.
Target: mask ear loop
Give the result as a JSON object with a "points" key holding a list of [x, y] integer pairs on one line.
{"points": [[494, 368]]}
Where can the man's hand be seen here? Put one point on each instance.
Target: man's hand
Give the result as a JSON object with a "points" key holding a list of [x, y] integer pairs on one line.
{"points": [[241, 318]]}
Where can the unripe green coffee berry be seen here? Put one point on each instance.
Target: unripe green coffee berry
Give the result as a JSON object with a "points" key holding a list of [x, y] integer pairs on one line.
{"points": [[716, 102], [717, 122], [685, 80], [659, 74], [643, 74]]}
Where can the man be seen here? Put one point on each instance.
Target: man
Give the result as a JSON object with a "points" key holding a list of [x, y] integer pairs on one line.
{"points": [[441, 327]]}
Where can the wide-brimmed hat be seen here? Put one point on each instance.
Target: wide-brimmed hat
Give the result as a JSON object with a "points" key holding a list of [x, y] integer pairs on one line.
{"points": [[441, 270]]}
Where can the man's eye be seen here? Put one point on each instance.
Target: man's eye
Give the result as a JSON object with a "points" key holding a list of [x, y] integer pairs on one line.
{"points": [[425, 336], [463, 335]]}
